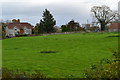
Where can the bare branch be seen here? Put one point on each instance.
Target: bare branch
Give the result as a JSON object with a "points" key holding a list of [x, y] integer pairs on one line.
{"points": [[103, 14]]}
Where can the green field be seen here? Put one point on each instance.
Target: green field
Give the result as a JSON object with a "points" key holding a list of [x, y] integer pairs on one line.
{"points": [[74, 53]]}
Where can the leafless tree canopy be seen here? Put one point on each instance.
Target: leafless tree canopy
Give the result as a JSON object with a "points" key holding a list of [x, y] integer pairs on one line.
{"points": [[103, 14]]}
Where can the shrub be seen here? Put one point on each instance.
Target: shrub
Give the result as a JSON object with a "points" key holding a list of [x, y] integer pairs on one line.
{"points": [[106, 68], [10, 74]]}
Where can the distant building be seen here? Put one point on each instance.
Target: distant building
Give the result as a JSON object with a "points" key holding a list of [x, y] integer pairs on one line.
{"points": [[57, 29], [17, 27], [114, 27], [86, 26]]}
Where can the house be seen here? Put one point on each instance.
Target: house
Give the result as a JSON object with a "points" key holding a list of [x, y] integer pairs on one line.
{"points": [[57, 29], [86, 26], [18, 27], [114, 27]]}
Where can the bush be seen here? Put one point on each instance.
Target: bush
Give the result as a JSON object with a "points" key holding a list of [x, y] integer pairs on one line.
{"points": [[10, 74], [106, 68]]}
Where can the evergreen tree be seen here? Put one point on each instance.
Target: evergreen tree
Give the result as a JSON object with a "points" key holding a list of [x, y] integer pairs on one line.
{"points": [[47, 23]]}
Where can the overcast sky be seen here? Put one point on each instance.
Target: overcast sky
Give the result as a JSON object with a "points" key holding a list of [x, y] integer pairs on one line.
{"points": [[63, 10]]}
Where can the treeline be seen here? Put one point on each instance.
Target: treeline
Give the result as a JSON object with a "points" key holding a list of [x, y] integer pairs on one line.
{"points": [[103, 16], [47, 25]]}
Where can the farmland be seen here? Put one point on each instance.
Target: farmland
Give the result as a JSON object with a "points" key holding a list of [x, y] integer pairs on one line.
{"points": [[73, 53]]}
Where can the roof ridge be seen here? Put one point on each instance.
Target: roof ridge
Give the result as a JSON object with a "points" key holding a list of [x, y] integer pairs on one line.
{"points": [[20, 25]]}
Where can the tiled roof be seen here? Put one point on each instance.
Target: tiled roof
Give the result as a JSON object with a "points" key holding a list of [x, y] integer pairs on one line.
{"points": [[19, 25]]}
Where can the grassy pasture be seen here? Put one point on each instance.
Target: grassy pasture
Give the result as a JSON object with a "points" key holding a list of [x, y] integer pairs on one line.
{"points": [[74, 53]]}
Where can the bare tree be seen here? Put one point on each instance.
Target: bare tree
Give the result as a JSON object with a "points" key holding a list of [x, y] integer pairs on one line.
{"points": [[103, 14], [117, 18]]}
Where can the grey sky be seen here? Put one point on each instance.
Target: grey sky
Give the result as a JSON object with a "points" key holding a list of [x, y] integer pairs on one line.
{"points": [[62, 10]]}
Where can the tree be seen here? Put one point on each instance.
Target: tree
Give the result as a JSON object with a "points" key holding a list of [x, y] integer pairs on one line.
{"points": [[14, 20], [71, 26], [65, 28], [103, 14], [2, 29], [117, 18], [47, 23], [35, 30], [3, 25]]}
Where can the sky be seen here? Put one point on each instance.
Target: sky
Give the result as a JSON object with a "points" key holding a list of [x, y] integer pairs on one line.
{"points": [[62, 10]]}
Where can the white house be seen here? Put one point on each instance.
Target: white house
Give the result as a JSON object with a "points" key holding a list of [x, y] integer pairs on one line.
{"points": [[18, 28]]}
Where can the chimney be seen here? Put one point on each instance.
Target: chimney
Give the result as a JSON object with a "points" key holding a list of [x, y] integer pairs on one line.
{"points": [[18, 20]]}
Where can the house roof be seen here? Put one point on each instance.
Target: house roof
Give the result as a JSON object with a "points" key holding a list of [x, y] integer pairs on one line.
{"points": [[115, 25], [19, 25]]}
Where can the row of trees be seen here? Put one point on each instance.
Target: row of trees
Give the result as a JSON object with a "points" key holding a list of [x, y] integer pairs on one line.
{"points": [[102, 14], [46, 25]]}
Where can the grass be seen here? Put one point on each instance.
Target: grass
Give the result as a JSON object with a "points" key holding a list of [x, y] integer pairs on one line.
{"points": [[74, 53]]}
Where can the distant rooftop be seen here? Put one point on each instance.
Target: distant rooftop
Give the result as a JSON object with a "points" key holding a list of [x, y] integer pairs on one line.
{"points": [[18, 24]]}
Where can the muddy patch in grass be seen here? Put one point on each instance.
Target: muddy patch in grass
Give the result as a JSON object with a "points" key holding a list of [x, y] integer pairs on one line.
{"points": [[15, 48], [113, 36], [47, 52]]}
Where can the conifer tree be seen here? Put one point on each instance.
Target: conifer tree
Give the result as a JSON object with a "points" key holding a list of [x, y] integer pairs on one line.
{"points": [[47, 23]]}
